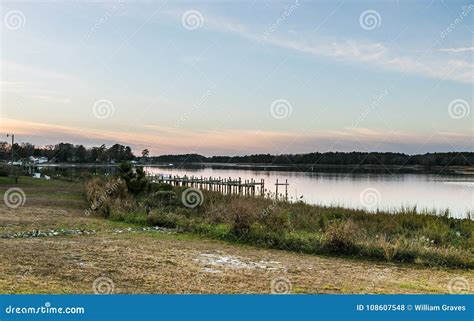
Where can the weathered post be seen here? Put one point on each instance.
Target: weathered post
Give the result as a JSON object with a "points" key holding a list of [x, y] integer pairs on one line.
{"points": [[276, 189]]}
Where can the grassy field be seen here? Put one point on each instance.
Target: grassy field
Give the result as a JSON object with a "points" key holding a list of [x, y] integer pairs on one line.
{"points": [[69, 260]]}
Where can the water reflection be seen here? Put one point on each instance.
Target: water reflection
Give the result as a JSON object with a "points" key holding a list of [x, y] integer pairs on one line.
{"points": [[391, 191]]}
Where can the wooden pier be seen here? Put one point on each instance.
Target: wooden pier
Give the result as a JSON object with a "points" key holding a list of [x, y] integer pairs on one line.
{"points": [[228, 186]]}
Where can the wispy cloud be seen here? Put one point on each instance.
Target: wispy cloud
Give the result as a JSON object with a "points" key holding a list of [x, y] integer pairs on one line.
{"points": [[353, 51], [33, 72], [456, 50], [52, 99], [38, 83]]}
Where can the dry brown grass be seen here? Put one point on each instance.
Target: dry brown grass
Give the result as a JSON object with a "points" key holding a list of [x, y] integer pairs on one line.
{"points": [[169, 264]]}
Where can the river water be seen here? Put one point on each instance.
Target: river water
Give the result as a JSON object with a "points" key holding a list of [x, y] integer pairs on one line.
{"points": [[390, 192]]}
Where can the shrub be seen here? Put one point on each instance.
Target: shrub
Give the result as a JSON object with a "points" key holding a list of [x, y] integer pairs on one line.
{"points": [[133, 217], [106, 195], [8, 170], [159, 187], [389, 249], [277, 221], [243, 219], [135, 178], [341, 238], [160, 199], [323, 222], [160, 217], [5, 170]]}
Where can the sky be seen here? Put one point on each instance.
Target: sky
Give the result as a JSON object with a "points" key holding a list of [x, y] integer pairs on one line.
{"points": [[239, 77]]}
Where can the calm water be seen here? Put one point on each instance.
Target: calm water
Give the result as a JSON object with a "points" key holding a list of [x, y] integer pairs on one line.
{"points": [[369, 191]]}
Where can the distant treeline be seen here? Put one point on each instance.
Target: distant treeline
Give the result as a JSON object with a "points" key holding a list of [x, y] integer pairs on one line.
{"points": [[66, 152], [331, 158]]}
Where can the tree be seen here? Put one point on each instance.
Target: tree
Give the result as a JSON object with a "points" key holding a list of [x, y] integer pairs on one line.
{"points": [[4, 150], [128, 154], [145, 154], [98, 154], [135, 178], [64, 152], [81, 154]]}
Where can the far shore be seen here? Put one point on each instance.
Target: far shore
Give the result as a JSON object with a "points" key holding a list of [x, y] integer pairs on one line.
{"points": [[461, 170]]}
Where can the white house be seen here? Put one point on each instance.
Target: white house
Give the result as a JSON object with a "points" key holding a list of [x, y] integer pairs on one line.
{"points": [[39, 160]]}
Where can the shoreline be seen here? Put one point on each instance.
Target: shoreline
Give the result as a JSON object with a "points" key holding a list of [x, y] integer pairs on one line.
{"points": [[307, 168]]}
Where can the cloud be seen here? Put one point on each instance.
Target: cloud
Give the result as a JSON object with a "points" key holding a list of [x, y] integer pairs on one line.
{"points": [[351, 51], [38, 83], [51, 99], [456, 50], [380, 55], [29, 72]]}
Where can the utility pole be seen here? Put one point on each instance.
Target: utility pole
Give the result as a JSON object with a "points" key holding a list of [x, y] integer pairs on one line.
{"points": [[13, 154]]}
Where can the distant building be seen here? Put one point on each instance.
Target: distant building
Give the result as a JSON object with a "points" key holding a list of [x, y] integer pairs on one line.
{"points": [[38, 160]]}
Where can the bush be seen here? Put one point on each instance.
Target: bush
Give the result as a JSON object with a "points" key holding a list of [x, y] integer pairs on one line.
{"points": [[341, 238], [160, 217], [135, 178], [278, 220], [106, 195], [133, 217], [7, 170], [157, 195], [243, 219], [159, 187]]}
